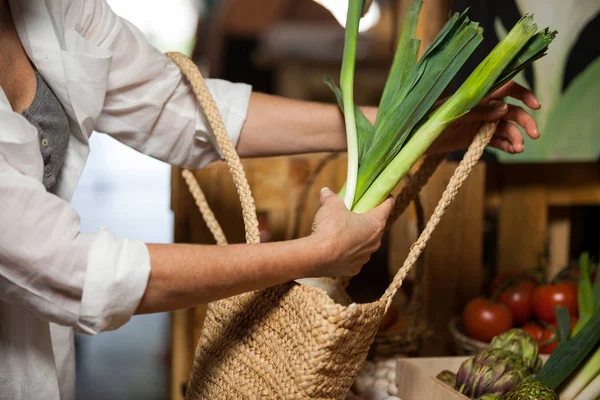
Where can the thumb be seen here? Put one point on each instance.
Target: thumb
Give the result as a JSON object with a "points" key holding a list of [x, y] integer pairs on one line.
{"points": [[383, 210], [327, 196], [366, 6]]}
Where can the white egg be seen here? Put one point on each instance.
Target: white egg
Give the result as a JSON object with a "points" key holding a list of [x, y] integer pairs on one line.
{"points": [[392, 389], [391, 376], [380, 373]]}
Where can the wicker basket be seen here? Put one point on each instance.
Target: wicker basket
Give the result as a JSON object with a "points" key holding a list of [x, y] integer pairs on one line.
{"points": [[464, 345], [412, 332]]}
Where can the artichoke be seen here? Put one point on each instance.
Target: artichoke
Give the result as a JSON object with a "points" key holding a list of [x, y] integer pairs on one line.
{"points": [[489, 397], [492, 371], [532, 390], [519, 342], [447, 377]]}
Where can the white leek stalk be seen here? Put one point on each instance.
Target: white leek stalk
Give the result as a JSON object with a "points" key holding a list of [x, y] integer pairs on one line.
{"points": [[591, 391], [582, 378], [347, 85]]}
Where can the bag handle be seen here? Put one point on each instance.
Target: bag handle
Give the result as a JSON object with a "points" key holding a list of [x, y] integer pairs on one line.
{"points": [[470, 159], [191, 72]]}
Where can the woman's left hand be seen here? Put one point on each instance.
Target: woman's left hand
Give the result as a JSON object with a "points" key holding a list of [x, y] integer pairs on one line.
{"points": [[507, 137]]}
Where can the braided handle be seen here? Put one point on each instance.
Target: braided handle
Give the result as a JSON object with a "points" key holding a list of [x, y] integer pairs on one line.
{"points": [[191, 72], [472, 156]]}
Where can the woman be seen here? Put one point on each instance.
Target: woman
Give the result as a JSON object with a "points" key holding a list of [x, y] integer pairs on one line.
{"points": [[69, 67]]}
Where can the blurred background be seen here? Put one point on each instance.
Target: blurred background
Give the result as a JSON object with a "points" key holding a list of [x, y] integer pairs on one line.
{"points": [[286, 47]]}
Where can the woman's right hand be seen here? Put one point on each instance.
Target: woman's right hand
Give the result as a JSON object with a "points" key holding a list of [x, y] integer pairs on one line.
{"points": [[348, 238]]}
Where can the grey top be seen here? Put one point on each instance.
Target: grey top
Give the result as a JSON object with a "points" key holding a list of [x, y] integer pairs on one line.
{"points": [[49, 117]]}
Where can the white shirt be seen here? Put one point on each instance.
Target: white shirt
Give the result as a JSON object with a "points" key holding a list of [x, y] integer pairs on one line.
{"points": [[53, 278]]}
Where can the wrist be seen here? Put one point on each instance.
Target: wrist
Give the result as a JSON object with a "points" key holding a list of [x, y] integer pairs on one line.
{"points": [[321, 255]]}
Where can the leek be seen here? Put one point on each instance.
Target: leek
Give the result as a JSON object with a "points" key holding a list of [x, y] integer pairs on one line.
{"points": [[470, 93], [380, 154], [421, 89], [569, 355], [591, 391], [355, 8], [582, 377], [585, 294]]}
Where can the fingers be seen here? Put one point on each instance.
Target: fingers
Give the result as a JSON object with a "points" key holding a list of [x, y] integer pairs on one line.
{"points": [[503, 144], [327, 196], [514, 90], [524, 119], [508, 138], [366, 6], [383, 211], [487, 112]]}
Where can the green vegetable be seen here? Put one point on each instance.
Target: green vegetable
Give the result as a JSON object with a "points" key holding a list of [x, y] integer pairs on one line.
{"points": [[585, 294], [531, 390], [380, 155], [447, 377], [355, 8], [472, 91], [591, 391], [421, 89], [585, 374], [570, 354], [492, 371], [522, 344], [563, 320]]}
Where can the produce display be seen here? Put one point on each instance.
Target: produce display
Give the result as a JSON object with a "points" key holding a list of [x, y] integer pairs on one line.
{"points": [[510, 367], [410, 116], [520, 300]]}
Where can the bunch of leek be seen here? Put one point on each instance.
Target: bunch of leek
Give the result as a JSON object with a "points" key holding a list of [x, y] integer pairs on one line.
{"points": [[380, 155]]}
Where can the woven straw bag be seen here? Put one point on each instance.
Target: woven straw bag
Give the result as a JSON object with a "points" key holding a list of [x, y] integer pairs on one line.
{"points": [[293, 341]]}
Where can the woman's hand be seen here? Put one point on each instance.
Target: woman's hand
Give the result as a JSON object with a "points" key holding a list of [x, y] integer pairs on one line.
{"points": [[349, 238], [507, 137]]}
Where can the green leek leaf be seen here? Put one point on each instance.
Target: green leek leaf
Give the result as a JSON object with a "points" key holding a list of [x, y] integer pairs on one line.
{"points": [[364, 127], [405, 58]]}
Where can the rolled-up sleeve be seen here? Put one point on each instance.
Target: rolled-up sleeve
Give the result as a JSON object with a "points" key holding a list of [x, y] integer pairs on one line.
{"points": [[90, 281], [149, 105]]}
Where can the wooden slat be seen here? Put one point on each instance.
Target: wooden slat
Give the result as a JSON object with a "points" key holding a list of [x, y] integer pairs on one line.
{"points": [[522, 227], [181, 351], [454, 254], [559, 240], [568, 184]]}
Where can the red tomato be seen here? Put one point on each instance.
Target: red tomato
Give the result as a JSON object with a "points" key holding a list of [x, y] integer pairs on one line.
{"points": [[535, 331], [547, 297], [483, 319], [517, 277], [519, 299], [549, 334]]}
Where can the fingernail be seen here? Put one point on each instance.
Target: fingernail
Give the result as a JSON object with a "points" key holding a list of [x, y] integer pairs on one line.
{"points": [[325, 192], [502, 106]]}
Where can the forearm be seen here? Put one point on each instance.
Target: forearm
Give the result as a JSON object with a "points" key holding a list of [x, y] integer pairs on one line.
{"points": [[184, 276], [280, 126]]}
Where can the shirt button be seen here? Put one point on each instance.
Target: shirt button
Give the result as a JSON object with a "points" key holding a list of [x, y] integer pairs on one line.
{"points": [[48, 168], [44, 142]]}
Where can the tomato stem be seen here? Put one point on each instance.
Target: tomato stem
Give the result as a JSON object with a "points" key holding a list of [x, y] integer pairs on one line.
{"points": [[501, 288]]}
